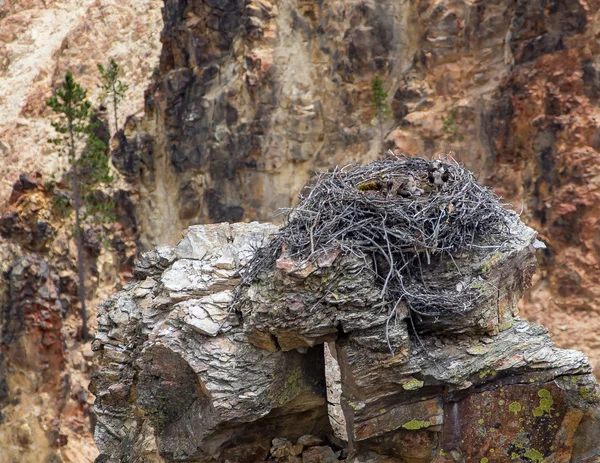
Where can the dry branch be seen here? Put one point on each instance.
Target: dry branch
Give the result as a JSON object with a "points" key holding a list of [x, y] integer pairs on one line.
{"points": [[406, 214]]}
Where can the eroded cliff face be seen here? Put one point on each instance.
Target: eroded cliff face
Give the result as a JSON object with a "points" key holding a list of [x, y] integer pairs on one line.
{"points": [[252, 96], [39, 41], [45, 408], [303, 371]]}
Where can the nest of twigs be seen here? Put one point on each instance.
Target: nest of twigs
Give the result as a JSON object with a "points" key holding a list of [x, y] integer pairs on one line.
{"points": [[407, 214]]}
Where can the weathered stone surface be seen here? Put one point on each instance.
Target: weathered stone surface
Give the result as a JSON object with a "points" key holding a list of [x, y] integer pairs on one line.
{"points": [[189, 369], [319, 454], [333, 377], [284, 89], [300, 304], [184, 379], [299, 311], [309, 440]]}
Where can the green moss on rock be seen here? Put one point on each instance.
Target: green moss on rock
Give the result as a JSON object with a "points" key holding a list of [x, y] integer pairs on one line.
{"points": [[412, 384], [544, 393], [506, 325], [514, 407], [416, 424], [533, 455], [545, 405]]}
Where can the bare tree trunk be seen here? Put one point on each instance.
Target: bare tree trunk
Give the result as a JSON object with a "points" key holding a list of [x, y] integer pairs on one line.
{"points": [[115, 108], [380, 120], [80, 263], [78, 238]]}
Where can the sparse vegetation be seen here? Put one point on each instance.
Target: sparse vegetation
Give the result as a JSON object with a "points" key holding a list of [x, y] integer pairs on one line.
{"points": [[87, 161], [61, 204], [49, 185], [113, 88], [379, 102], [450, 127]]}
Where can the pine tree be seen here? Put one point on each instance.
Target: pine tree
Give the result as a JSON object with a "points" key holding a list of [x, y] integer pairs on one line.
{"points": [[379, 102], [75, 125], [113, 88]]}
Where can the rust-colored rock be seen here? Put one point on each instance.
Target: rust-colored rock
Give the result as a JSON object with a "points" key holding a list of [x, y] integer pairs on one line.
{"points": [[44, 369]]}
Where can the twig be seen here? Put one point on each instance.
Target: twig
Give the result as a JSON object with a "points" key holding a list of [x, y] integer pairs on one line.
{"points": [[366, 211]]}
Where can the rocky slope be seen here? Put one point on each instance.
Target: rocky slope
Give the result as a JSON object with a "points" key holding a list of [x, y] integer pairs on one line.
{"points": [[252, 96], [39, 41], [305, 361], [45, 408]]}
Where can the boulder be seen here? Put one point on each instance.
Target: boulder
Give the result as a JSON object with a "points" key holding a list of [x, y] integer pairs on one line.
{"points": [[296, 373]]}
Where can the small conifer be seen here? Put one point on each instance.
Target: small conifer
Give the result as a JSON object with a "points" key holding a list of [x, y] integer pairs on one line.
{"points": [[113, 88], [75, 126], [379, 102]]}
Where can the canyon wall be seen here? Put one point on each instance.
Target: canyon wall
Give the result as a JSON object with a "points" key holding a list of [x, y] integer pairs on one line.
{"points": [[252, 97], [247, 100], [45, 407]]}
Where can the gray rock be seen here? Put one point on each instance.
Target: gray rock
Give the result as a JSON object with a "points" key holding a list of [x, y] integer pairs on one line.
{"points": [[309, 441], [154, 262], [322, 454], [184, 378]]}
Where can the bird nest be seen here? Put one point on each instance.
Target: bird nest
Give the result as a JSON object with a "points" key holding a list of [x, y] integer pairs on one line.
{"points": [[406, 214]]}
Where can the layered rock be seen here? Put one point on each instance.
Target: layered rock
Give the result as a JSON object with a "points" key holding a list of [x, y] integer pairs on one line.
{"points": [[183, 377], [45, 407], [251, 97]]}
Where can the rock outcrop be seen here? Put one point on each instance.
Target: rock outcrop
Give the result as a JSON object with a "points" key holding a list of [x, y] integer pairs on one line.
{"points": [[251, 97], [45, 407], [303, 374]]}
